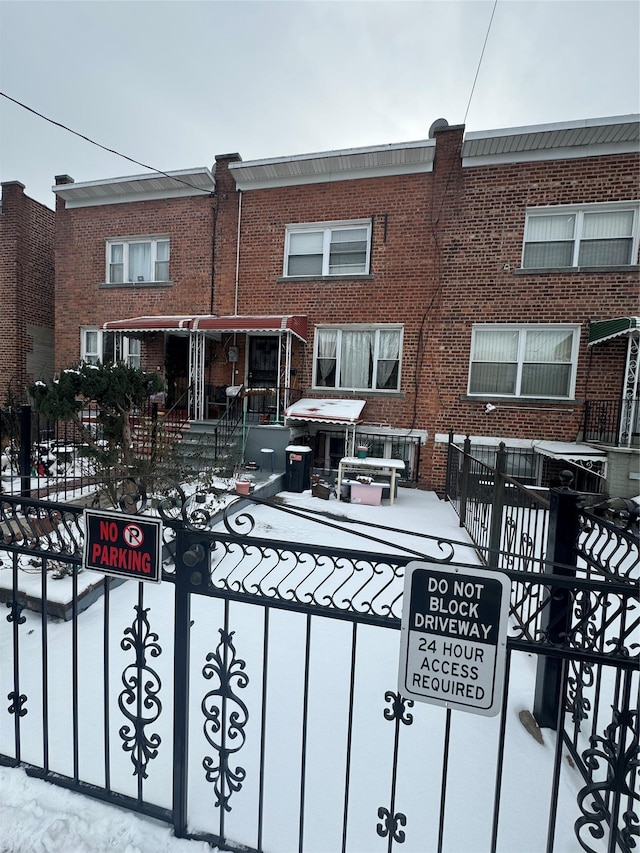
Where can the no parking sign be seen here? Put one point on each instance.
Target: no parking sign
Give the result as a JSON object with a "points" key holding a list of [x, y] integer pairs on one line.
{"points": [[123, 545]]}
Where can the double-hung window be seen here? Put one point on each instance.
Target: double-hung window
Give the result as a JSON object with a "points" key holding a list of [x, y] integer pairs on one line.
{"points": [[109, 347], [589, 236], [328, 248], [360, 358], [524, 360], [137, 260]]}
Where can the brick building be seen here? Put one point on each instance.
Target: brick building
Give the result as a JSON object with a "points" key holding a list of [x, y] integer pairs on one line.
{"points": [[484, 283], [26, 292]]}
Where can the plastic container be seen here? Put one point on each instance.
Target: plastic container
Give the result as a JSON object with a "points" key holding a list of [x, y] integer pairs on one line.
{"points": [[366, 493]]}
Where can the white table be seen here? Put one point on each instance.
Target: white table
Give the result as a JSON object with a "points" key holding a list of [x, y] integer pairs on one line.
{"points": [[371, 465]]}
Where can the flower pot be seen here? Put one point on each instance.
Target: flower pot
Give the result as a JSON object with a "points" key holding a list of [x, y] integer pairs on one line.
{"points": [[243, 487], [362, 452]]}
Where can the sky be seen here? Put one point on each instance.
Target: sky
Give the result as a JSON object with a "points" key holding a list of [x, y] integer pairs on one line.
{"points": [[40, 818], [172, 84]]}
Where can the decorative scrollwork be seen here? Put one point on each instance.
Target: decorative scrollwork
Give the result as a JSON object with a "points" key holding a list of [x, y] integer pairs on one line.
{"points": [[398, 708], [229, 727], [619, 751], [15, 612], [390, 825], [133, 703], [581, 679], [17, 703], [28, 525]]}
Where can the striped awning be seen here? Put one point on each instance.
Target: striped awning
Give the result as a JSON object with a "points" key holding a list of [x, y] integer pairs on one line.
{"points": [[325, 411], [296, 324], [178, 323], [605, 330]]}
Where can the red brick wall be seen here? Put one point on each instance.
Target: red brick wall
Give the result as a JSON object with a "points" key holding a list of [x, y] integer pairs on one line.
{"points": [[449, 237], [81, 235], [26, 284]]}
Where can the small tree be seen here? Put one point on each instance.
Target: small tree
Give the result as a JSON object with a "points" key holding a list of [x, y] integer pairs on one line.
{"points": [[117, 390]]}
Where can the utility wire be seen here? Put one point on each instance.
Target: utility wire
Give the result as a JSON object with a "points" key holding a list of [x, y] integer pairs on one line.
{"points": [[104, 147], [475, 79]]}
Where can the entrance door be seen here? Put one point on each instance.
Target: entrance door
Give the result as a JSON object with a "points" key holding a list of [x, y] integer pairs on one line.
{"points": [[176, 370], [263, 372]]}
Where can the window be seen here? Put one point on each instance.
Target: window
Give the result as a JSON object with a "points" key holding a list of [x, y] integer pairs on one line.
{"points": [[109, 347], [524, 361], [328, 248], [592, 236], [358, 357], [133, 261]]}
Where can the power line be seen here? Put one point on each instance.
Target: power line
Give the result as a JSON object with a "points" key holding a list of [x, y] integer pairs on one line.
{"points": [[99, 145], [475, 79]]}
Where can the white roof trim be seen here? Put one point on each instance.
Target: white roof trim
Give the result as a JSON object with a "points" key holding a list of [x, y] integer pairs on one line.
{"points": [[183, 183], [348, 164], [566, 140]]}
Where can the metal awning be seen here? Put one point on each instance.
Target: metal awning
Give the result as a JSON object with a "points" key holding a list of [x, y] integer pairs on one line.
{"points": [[570, 451], [325, 411], [178, 323], [605, 330], [296, 324]]}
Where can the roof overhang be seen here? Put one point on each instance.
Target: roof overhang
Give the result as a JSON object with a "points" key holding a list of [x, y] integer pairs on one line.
{"points": [[155, 185], [294, 323], [176, 323], [325, 411], [560, 141], [605, 330], [405, 158], [570, 451]]}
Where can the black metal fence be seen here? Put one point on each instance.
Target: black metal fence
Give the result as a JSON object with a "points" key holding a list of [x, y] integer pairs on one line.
{"points": [[251, 701], [592, 547], [615, 422], [41, 457]]}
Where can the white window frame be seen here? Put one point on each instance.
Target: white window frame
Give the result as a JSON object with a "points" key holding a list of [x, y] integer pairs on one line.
{"points": [[522, 329], [579, 212], [126, 242], [327, 228], [354, 327], [131, 347]]}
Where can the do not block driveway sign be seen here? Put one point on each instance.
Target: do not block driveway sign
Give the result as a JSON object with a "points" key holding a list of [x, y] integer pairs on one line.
{"points": [[128, 546], [454, 636]]}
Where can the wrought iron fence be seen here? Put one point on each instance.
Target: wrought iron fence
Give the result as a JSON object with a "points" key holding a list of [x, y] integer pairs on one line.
{"points": [[41, 457], [252, 701], [615, 422], [573, 537]]}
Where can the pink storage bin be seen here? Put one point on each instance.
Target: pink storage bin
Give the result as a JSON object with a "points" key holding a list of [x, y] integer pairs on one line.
{"points": [[366, 493]]}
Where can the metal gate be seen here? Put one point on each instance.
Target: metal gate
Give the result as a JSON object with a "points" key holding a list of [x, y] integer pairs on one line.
{"points": [[250, 699]]}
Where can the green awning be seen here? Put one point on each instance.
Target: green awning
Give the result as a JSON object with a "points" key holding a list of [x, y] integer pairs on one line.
{"points": [[604, 330]]}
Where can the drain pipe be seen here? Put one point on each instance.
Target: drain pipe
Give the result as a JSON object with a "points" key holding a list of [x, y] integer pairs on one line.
{"points": [[235, 304]]}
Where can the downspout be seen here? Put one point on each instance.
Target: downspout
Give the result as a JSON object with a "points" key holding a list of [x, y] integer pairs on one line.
{"points": [[235, 304]]}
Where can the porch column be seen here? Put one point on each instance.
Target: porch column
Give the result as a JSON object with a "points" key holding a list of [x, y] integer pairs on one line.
{"points": [[629, 404], [287, 374], [197, 348]]}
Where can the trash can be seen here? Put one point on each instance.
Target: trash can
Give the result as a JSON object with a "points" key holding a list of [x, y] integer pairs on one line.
{"points": [[298, 468]]}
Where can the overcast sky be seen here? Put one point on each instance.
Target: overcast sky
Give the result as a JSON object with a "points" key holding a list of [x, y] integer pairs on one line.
{"points": [[172, 84]]}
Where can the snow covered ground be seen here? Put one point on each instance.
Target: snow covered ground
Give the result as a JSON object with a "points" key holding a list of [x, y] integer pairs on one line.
{"points": [[36, 816]]}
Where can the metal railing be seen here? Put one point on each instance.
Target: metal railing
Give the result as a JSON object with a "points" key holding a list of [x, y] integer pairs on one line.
{"points": [[614, 422]]}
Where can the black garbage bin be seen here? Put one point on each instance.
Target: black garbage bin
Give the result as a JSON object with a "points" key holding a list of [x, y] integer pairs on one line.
{"points": [[298, 468]]}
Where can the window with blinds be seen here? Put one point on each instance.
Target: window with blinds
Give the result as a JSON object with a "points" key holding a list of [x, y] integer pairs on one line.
{"points": [[592, 236], [523, 360], [328, 249]]}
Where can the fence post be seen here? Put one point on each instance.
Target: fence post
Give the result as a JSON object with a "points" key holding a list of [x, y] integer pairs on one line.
{"points": [[464, 480], [497, 508], [556, 614], [24, 460], [448, 483], [154, 431]]}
